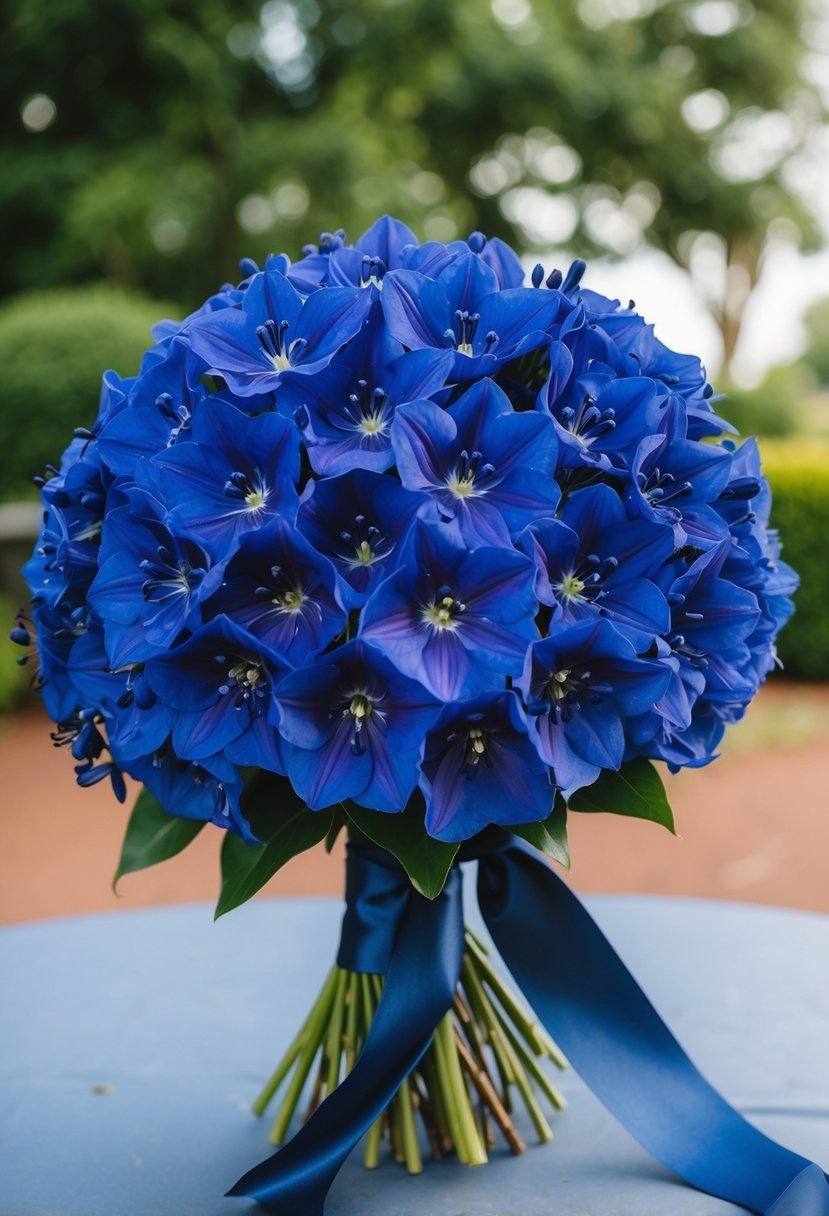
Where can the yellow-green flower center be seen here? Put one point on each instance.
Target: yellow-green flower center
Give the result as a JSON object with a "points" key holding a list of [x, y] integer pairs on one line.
{"points": [[571, 588], [561, 684], [443, 613], [290, 600]]}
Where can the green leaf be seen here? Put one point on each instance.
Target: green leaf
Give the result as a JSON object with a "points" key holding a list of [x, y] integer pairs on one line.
{"points": [[427, 861], [153, 836], [636, 790], [340, 820], [287, 827], [550, 834]]}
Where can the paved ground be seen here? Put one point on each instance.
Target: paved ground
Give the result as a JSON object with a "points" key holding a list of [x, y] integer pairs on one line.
{"points": [[754, 826]]}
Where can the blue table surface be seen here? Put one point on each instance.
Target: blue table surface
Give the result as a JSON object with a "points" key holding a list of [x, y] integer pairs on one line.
{"points": [[133, 1043]]}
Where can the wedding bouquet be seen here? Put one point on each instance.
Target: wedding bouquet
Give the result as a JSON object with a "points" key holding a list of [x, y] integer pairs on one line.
{"points": [[387, 539]]}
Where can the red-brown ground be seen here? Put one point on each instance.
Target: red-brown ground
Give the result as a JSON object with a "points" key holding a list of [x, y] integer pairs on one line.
{"points": [[753, 826]]}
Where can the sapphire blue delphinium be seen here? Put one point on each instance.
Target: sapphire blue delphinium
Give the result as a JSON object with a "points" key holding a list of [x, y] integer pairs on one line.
{"points": [[397, 523]]}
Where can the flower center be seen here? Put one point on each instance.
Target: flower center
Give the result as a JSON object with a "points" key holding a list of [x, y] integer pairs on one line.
{"points": [[358, 710], [369, 410], [571, 588], [443, 613], [660, 488], [372, 271], [584, 583], [247, 683], [245, 675], [475, 745], [588, 423], [469, 470], [290, 600], [561, 685], [276, 350], [167, 577], [461, 335], [362, 541], [248, 488]]}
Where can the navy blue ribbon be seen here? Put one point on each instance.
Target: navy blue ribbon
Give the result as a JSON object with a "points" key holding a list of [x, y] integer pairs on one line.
{"points": [[581, 991]]}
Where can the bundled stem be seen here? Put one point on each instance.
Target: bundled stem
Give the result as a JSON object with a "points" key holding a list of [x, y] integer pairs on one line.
{"points": [[486, 1050]]}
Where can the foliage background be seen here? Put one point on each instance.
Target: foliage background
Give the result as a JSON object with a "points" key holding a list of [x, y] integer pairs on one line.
{"points": [[149, 144]]}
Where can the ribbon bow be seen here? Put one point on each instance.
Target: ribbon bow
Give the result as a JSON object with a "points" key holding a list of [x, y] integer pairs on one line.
{"points": [[582, 992]]}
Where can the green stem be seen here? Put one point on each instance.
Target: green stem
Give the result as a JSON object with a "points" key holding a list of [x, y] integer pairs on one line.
{"points": [[520, 1016], [334, 1039], [352, 1019], [535, 1033], [408, 1131], [537, 1073], [371, 1148], [428, 1066], [487, 1017], [456, 1096], [316, 1027], [542, 1127], [284, 1066]]}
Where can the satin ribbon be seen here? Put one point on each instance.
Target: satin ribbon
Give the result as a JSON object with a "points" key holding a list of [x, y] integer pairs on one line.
{"points": [[581, 991]]}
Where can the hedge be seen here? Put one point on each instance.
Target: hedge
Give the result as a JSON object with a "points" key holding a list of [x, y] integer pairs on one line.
{"points": [[14, 679], [798, 472], [54, 345]]}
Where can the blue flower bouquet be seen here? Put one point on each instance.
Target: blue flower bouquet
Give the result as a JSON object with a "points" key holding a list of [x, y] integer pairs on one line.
{"points": [[389, 540]]}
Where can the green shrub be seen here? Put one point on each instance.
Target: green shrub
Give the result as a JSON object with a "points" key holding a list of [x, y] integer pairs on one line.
{"points": [[799, 476], [54, 346], [14, 679], [817, 330], [777, 408]]}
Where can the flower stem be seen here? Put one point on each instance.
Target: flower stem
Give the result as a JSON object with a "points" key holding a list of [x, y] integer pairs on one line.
{"points": [[408, 1131], [316, 1026], [489, 1033], [462, 1124], [284, 1066], [334, 1038]]}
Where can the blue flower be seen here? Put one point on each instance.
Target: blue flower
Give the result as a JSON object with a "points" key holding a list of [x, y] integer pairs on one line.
{"points": [[488, 468], [150, 583], [579, 684], [480, 767], [357, 520], [190, 791], [357, 727], [234, 474], [281, 590], [464, 310], [277, 331], [593, 561], [456, 620], [346, 411], [220, 684], [600, 418], [156, 410], [674, 481]]}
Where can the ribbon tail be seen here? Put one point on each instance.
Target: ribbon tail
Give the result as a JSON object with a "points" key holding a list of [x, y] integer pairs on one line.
{"points": [[616, 1041], [419, 989]]}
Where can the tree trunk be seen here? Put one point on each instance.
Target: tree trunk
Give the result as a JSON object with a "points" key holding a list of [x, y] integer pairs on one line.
{"points": [[742, 274]]}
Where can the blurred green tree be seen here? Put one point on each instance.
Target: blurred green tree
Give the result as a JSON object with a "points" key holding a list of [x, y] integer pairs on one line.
{"points": [[816, 355], [158, 141]]}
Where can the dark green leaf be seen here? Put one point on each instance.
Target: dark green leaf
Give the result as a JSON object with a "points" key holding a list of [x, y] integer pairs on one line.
{"points": [[427, 861], [340, 820], [153, 836], [636, 790], [287, 827], [550, 834]]}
